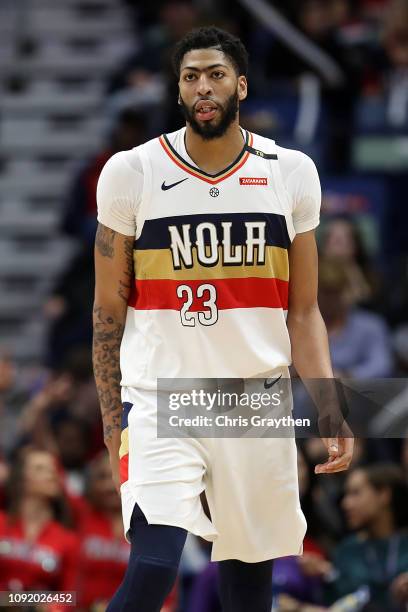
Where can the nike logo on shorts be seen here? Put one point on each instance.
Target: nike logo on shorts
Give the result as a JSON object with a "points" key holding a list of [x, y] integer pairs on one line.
{"points": [[166, 187], [268, 385]]}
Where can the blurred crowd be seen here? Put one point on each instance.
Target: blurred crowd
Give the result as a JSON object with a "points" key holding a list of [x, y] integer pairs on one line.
{"points": [[60, 520]]}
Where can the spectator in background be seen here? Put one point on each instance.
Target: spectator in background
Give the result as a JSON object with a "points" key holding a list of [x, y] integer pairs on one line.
{"points": [[359, 340], [79, 217], [69, 308], [37, 550], [104, 551], [147, 75], [52, 420], [71, 436], [341, 239], [204, 595], [374, 9], [299, 577], [392, 420], [395, 41], [13, 397], [4, 472], [172, 20], [395, 33], [321, 21], [54, 397], [322, 499], [394, 90], [404, 458], [376, 507]]}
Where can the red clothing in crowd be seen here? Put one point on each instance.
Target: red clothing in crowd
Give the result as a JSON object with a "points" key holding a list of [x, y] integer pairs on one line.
{"points": [[103, 560], [310, 546], [49, 563]]}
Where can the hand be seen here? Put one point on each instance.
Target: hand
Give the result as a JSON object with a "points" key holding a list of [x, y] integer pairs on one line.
{"points": [[313, 564], [340, 455], [399, 588], [58, 390]]}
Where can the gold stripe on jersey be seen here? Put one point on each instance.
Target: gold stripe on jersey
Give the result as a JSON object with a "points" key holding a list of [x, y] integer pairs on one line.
{"points": [[152, 264], [124, 443]]}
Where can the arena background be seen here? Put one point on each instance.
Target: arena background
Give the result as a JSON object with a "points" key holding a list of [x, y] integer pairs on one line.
{"points": [[82, 79]]}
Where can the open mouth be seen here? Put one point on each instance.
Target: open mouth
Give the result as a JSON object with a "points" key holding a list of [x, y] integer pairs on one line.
{"points": [[206, 110]]}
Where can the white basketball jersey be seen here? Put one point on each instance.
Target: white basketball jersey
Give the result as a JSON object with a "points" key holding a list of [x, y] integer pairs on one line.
{"points": [[211, 268]]}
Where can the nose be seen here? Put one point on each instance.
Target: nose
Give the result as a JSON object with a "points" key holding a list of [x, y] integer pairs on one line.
{"points": [[204, 87]]}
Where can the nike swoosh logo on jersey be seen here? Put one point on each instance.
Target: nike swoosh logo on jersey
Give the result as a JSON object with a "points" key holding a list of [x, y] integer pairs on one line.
{"points": [[166, 187], [268, 385]]}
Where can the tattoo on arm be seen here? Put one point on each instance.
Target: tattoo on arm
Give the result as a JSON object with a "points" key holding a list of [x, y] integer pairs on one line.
{"points": [[106, 346], [128, 275], [104, 241], [107, 337]]}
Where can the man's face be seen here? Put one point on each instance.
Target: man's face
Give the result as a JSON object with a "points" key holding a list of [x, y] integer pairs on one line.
{"points": [[210, 92]]}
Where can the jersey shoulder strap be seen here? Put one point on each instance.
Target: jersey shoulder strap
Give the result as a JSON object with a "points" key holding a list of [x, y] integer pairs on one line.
{"points": [[265, 148]]}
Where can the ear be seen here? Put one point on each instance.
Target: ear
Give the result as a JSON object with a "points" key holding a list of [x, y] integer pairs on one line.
{"points": [[242, 88], [179, 99]]}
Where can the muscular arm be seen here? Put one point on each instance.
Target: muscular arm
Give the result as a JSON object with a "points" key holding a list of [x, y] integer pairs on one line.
{"points": [[307, 330], [310, 347], [113, 281]]}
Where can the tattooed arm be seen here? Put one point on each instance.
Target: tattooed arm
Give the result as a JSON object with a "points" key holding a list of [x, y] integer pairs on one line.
{"points": [[113, 280]]}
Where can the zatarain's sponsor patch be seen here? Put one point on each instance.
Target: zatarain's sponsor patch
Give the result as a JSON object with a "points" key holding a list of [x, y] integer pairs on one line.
{"points": [[252, 180]]}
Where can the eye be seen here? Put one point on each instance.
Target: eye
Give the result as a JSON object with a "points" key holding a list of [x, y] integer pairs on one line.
{"points": [[217, 74], [190, 76]]}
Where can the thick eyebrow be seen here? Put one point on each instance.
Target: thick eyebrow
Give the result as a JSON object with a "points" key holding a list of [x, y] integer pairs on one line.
{"points": [[208, 67]]}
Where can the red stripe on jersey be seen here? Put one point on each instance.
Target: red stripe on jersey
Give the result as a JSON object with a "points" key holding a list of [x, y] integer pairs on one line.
{"points": [[231, 293], [124, 468]]}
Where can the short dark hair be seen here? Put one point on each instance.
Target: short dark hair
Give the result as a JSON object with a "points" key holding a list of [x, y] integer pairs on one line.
{"points": [[390, 476], [208, 37]]}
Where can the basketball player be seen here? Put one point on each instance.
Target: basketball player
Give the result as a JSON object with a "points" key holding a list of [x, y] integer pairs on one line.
{"points": [[199, 231]]}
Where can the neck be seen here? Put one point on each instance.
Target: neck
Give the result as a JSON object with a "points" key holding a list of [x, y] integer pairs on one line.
{"points": [[214, 155], [35, 510], [382, 527]]}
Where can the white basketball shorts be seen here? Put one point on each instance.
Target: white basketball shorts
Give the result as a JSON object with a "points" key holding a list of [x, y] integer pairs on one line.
{"points": [[250, 484]]}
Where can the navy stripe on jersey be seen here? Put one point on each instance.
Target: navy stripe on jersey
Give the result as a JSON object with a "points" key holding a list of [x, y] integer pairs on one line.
{"points": [[155, 233], [127, 406]]}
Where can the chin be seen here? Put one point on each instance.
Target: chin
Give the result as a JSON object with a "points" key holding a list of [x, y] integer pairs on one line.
{"points": [[354, 524]]}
